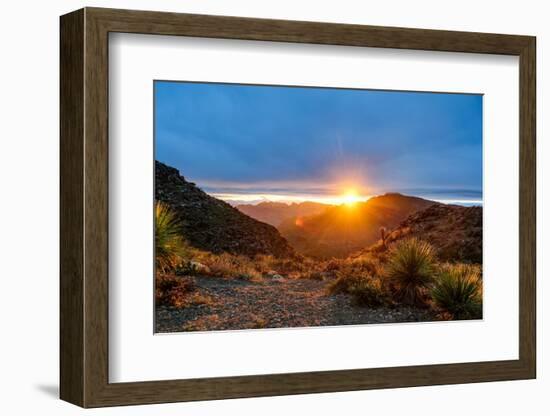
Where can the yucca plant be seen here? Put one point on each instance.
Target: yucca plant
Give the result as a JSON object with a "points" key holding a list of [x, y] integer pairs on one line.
{"points": [[410, 270], [458, 291], [170, 247]]}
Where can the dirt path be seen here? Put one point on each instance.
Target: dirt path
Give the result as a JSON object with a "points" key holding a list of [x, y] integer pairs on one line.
{"points": [[221, 304]]}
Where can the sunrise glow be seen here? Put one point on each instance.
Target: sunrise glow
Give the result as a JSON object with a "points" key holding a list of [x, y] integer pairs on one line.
{"points": [[350, 197], [242, 197]]}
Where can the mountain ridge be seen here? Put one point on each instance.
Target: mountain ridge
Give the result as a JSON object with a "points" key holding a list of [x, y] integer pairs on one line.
{"points": [[341, 230], [455, 232], [275, 213], [210, 224]]}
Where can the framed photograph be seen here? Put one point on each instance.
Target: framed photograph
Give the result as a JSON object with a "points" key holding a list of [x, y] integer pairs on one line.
{"points": [[255, 207]]}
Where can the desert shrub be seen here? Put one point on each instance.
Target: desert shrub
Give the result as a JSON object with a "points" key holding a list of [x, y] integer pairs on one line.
{"points": [[284, 266], [366, 264], [264, 263], [352, 271], [172, 291], [370, 292], [410, 270], [366, 289], [230, 266], [195, 299], [342, 284], [333, 265], [185, 268], [248, 268], [458, 290], [312, 275], [346, 279], [170, 247], [250, 276], [289, 265], [294, 267]]}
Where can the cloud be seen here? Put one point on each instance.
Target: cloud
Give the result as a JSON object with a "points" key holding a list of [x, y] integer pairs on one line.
{"points": [[254, 136]]}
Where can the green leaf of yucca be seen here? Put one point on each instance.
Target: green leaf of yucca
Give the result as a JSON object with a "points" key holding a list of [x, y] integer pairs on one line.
{"points": [[458, 290], [411, 269], [170, 247]]}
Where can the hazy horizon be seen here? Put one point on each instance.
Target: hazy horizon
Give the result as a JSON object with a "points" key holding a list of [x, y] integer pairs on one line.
{"points": [[457, 197]]}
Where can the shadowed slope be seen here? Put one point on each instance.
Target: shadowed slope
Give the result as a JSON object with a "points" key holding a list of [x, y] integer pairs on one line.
{"points": [[455, 232], [213, 225], [342, 230]]}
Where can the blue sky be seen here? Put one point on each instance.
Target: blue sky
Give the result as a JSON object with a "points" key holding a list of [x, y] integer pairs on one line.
{"points": [[251, 143]]}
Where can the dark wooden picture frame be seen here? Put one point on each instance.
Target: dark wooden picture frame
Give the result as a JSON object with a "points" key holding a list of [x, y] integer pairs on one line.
{"points": [[84, 207]]}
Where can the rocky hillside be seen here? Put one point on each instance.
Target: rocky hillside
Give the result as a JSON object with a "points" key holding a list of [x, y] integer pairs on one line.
{"points": [[213, 225], [275, 213], [456, 232], [342, 230]]}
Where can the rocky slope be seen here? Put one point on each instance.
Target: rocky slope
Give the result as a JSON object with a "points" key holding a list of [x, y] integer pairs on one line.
{"points": [[237, 304], [456, 232], [341, 230], [213, 225], [275, 213]]}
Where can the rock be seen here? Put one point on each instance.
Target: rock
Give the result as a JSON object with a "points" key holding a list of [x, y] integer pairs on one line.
{"points": [[199, 267], [272, 274]]}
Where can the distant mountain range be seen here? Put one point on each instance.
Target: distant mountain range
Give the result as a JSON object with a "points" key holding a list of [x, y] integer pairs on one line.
{"points": [[210, 224], [275, 213], [341, 230], [318, 230]]}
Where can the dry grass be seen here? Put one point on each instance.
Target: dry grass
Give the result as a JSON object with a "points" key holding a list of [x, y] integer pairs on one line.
{"points": [[204, 323], [179, 292], [314, 275], [352, 272], [232, 266], [215, 322], [370, 293], [359, 279], [229, 266], [172, 291]]}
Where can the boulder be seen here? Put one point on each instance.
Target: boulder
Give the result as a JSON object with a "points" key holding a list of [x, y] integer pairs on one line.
{"points": [[199, 267]]}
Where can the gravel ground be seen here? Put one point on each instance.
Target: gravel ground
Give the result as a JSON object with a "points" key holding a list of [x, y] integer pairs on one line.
{"points": [[222, 304]]}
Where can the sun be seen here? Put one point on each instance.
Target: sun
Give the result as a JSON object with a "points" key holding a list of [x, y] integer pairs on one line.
{"points": [[350, 197]]}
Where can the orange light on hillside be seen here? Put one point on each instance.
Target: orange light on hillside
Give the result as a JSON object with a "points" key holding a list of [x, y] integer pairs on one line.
{"points": [[299, 222]]}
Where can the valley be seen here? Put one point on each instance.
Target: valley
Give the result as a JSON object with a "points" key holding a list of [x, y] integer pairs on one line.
{"points": [[391, 258]]}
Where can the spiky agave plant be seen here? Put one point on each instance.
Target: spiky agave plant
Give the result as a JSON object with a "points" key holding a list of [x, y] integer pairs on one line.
{"points": [[170, 247], [458, 290], [410, 270]]}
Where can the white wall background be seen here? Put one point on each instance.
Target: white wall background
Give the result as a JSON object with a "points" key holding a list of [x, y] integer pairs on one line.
{"points": [[29, 85]]}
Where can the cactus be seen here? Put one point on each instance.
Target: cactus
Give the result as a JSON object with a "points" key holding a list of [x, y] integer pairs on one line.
{"points": [[383, 236]]}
